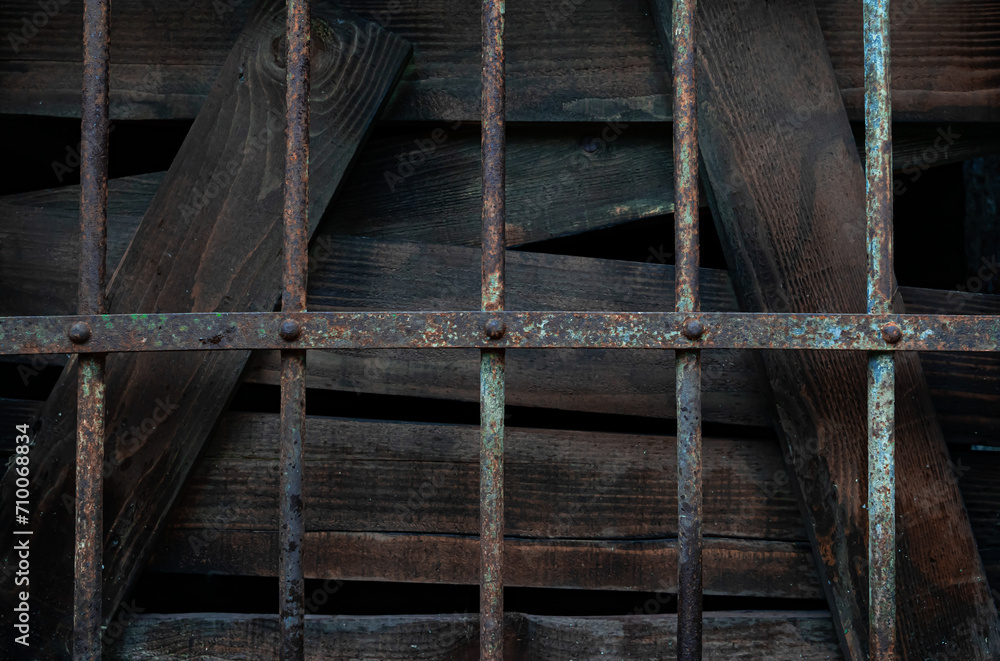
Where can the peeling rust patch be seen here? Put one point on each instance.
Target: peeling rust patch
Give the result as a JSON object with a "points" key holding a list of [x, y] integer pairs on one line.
{"points": [[494, 146], [688, 362]]}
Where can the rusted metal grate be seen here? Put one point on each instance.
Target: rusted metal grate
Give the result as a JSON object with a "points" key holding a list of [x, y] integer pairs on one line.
{"points": [[93, 333]]}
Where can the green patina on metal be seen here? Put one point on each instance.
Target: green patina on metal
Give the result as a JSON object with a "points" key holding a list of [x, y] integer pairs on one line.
{"points": [[528, 330]]}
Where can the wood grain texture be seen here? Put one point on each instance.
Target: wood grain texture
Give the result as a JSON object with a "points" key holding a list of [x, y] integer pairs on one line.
{"points": [[734, 635], [417, 478], [789, 206], [203, 537], [425, 184], [210, 241], [570, 61], [211, 636], [395, 501], [356, 273], [732, 566], [944, 57], [421, 184], [739, 635]]}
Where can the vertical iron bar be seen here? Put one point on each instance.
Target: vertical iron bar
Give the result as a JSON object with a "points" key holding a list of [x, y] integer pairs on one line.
{"points": [[494, 145], [881, 373], [90, 387], [688, 362], [291, 627]]}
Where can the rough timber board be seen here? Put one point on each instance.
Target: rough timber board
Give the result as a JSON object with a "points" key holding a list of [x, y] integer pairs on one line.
{"points": [[790, 210], [360, 273], [729, 636], [569, 61], [211, 240]]}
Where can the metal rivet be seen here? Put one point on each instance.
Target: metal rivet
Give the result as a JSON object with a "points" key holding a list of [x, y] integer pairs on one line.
{"points": [[79, 332], [693, 329], [892, 333], [495, 328], [290, 330], [590, 144]]}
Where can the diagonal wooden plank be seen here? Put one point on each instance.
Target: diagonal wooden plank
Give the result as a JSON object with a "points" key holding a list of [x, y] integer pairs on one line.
{"points": [[210, 241], [423, 185], [790, 209]]}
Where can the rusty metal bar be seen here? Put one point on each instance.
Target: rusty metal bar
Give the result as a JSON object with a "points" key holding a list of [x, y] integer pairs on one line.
{"points": [[881, 365], [491, 370], [688, 361], [291, 619], [90, 386], [521, 330]]}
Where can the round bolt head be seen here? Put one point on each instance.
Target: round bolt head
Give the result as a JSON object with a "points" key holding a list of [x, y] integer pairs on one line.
{"points": [[693, 329], [892, 333], [495, 328], [79, 332], [290, 330]]}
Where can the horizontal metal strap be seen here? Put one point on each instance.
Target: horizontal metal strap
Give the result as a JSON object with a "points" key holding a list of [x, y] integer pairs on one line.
{"points": [[527, 330]]}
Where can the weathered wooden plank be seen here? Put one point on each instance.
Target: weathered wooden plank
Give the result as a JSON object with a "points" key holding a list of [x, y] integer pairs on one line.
{"points": [[599, 504], [944, 58], [357, 273], [790, 209], [732, 566], [416, 478], [592, 61], [555, 187], [408, 276], [209, 540], [964, 387], [425, 185], [211, 240], [425, 179], [206, 636], [733, 635], [575, 61]]}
